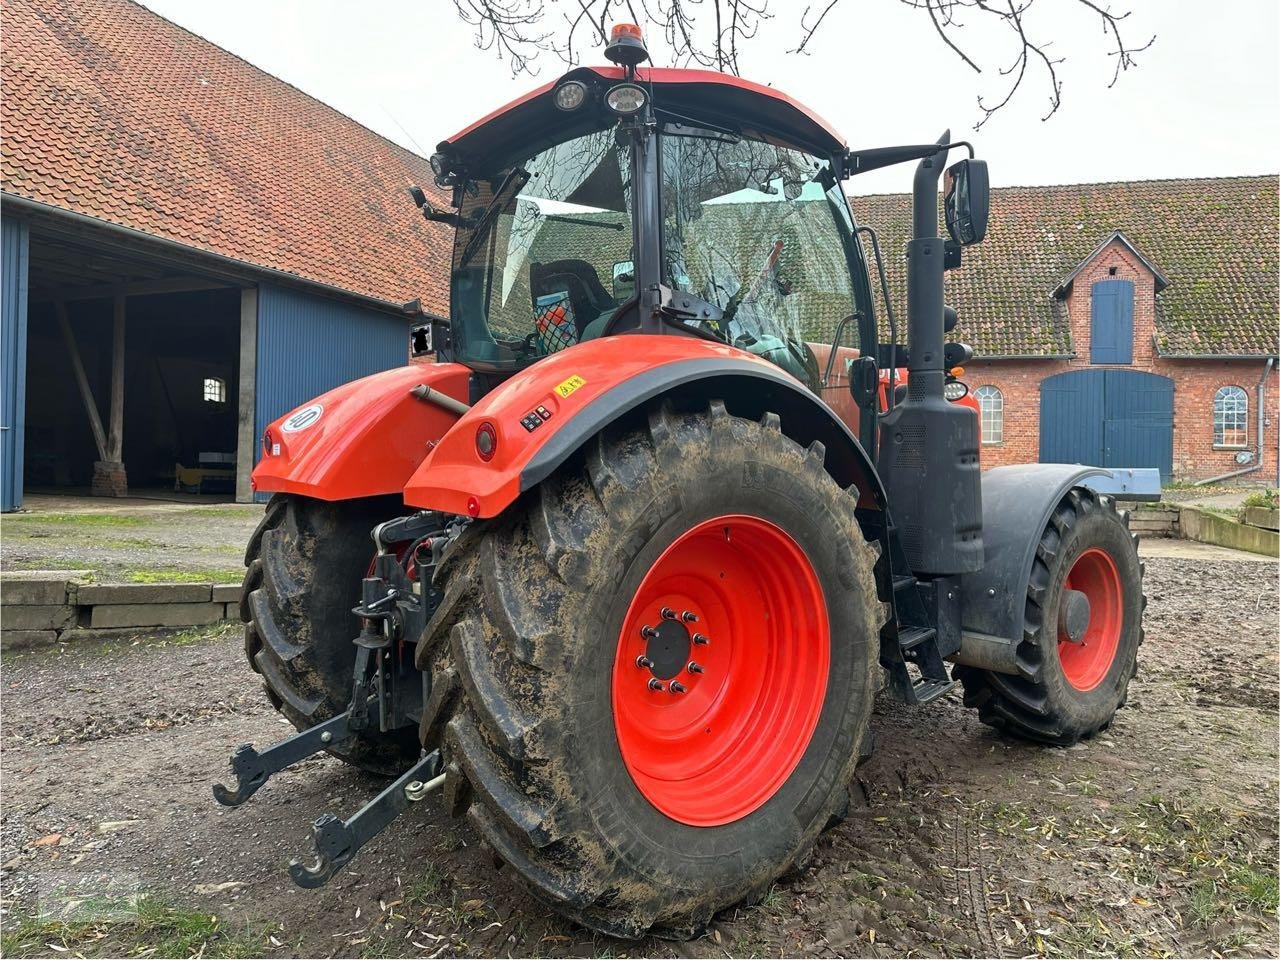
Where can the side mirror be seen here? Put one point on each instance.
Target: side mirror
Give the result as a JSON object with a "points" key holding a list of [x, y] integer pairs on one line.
{"points": [[968, 201], [624, 280]]}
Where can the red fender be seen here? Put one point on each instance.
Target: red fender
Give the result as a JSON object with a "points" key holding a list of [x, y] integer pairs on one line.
{"points": [[362, 439], [529, 411]]}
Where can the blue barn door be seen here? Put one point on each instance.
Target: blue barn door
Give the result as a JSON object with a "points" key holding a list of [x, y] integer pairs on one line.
{"points": [[1071, 416], [1107, 418], [1138, 421]]}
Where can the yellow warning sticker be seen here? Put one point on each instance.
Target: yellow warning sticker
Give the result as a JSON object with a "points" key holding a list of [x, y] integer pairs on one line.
{"points": [[570, 385]]}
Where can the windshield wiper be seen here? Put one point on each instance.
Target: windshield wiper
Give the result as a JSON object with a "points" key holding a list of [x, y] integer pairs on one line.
{"points": [[582, 221], [517, 176]]}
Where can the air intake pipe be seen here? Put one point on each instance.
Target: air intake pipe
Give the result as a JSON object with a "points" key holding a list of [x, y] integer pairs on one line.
{"points": [[928, 453]]}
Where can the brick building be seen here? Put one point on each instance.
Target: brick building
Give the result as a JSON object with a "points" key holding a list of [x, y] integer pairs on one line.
{"points": [[1125, 324]]}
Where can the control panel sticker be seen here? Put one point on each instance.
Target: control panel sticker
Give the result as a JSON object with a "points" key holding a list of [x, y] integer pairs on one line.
{"points": [[570, 385]]}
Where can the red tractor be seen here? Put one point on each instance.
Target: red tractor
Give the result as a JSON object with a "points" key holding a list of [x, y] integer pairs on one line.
{"points": [[633, 585]]}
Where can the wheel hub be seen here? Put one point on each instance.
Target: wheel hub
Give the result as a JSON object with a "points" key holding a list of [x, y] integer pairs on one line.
{"points": [[721, 670], [667, 649], [1073, 615]]}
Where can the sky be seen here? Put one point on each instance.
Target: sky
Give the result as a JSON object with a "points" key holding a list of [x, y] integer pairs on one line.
{"points": [[1204, 100]]}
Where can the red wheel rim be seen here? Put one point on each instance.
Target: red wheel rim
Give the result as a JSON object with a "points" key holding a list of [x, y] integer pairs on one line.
{"points": [[1085, 663], [721, 748]]}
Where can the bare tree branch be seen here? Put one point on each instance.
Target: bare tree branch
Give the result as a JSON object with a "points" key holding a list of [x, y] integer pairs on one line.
{"points": [[715, 33]]}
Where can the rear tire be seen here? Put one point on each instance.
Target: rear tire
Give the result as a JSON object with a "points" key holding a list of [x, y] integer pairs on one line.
{"points": [[529, 642], [304, 565], [1067, 691]]}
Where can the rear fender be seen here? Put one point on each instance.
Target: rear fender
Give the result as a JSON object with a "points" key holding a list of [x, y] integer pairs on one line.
{"points": [[362, 439], [545, 413], [1017, 502]]}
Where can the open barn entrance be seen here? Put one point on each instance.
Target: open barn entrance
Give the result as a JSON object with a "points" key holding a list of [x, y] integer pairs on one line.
{"points": [[132, 374]]}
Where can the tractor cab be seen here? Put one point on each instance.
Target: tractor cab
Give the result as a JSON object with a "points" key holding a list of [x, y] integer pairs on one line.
{"points": [[662, 201]]}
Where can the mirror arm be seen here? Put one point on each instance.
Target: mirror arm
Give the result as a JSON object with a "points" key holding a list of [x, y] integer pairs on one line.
{"points": [[439, 216], [876, 158]]}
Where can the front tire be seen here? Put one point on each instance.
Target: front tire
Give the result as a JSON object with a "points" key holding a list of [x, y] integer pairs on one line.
{"points": [[589, 783], [1070, 687]]}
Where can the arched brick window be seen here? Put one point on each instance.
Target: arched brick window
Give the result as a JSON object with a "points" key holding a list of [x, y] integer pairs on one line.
{"points": [[1230, 417], [991, 407]]}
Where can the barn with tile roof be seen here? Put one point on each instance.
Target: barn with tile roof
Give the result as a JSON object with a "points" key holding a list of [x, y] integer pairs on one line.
{"points": [[191, 248], [1122, 324]]}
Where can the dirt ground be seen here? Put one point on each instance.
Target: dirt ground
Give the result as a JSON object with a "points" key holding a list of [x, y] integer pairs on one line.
{"points": [[1159, 837], [131, 540]]}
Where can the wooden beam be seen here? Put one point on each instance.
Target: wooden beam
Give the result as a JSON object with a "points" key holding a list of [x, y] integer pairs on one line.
{"points": [[247, 442], [115, 429], [142, 288], [77, 367]]}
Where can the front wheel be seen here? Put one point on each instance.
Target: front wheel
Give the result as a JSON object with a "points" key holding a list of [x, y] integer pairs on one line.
{"points": [[653, 676], [1083, 626]]}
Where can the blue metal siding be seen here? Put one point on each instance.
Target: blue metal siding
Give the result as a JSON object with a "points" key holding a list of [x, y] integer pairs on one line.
{"points": [[14, 251], [308, 344], [1107, 418], [1111, 321]]}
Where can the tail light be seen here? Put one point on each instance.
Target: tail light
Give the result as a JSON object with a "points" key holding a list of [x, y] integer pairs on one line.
{"points": [[486, 441]]}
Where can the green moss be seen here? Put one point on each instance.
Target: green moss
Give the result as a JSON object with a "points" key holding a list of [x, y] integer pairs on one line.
{"points": [[170, 575], [247, 511], [78, 519], [149, 928]]}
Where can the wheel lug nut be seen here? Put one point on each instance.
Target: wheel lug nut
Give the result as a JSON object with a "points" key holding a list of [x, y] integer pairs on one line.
{"points": [[648, 632], [643, 661], [689, 617], [695, 666], [668, 613], [700, 639], [678, 687], [656, 684]]}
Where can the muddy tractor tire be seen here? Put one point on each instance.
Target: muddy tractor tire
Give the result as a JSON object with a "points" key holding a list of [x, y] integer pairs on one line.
{"points": [[304, 565], [653, 674], [1083, 626]]}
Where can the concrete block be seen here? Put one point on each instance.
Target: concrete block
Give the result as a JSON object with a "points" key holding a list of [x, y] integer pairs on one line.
{"points": [[42, 617], [156, 614], [226, 593], [21, 639], [39, 586], [1207, 527], [1266, 517], [92, 595]]}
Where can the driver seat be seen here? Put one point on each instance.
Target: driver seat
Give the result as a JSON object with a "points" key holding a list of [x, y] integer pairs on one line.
{"points": [[587, 294]]}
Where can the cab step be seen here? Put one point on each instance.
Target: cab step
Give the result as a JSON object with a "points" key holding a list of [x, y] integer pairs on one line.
{"points": [[925, 689], [911, 637]]}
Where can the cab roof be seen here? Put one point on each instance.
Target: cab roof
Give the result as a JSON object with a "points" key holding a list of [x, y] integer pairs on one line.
{"points": [[695, 97]]}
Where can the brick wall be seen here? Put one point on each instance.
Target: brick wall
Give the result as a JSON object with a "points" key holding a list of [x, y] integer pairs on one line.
{"points": [[1194, 382]]}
